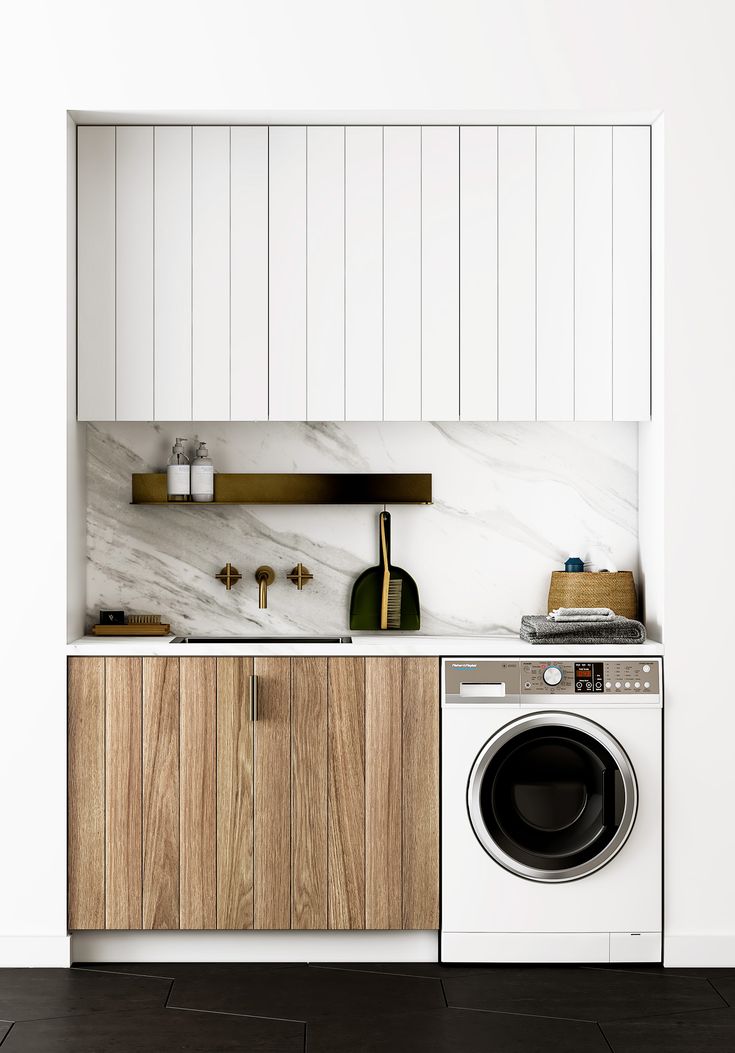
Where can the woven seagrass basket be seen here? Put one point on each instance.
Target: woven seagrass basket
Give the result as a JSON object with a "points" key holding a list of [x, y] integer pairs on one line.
{"points": [[616, 591]]}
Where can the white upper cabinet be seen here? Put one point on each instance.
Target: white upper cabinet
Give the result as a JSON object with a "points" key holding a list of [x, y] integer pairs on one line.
{"points": [[398, 273]]}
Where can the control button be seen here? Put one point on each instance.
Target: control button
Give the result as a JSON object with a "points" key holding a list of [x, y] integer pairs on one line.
{"points": [[646, 669], [627, 683], [608, 684], [646, 685], [617, 683], [527, 684], [552, 675], [636, 684]]}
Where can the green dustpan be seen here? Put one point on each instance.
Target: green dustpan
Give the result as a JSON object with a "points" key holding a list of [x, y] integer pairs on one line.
{"points": [[385, 597]]}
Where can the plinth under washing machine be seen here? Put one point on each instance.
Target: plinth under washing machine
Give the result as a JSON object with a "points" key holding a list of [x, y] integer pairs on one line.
{"points": [[551, 810]]}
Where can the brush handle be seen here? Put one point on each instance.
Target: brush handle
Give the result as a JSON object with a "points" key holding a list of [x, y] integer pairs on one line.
{"points": [[385, 563]]}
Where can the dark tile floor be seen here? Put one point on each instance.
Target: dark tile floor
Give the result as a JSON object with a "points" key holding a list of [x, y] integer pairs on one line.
{"points": [[402, 1007]]}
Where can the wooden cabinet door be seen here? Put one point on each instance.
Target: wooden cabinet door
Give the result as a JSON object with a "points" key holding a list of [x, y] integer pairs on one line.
{"points": [[320, 813]]}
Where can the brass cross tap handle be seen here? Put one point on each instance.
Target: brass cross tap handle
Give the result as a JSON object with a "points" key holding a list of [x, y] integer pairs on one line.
{"points": [[299, 576], [229, 576]]}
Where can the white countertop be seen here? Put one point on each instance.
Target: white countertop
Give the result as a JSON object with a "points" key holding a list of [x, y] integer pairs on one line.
{"points": [[362, 644]]}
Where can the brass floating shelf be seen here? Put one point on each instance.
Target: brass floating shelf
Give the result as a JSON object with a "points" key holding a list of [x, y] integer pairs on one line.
{"points": [[234, 488]]}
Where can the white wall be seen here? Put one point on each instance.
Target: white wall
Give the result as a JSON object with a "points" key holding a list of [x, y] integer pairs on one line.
{"points": [[485, 54]]}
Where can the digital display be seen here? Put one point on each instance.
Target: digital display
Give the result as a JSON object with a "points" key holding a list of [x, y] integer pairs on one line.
{"points": [[589, 676], [584, 673]]}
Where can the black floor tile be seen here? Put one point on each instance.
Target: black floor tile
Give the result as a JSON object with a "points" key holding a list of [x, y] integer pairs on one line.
{"points": [[304, 993], [451, 1031], [229, 971], [29, 994], [579, 994], [430, 969], [154, 1031], [724, 984], [711, 1031]]}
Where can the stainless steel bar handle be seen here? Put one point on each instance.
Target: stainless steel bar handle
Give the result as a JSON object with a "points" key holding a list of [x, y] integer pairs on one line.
{"points": [[253, 696]]}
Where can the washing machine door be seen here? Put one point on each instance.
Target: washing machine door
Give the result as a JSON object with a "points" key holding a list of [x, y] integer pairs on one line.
{"points": [[552, 797]]}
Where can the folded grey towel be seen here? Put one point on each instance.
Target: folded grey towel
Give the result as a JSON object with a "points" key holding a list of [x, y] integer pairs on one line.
{"points": [[537, 629], [581, 614]]}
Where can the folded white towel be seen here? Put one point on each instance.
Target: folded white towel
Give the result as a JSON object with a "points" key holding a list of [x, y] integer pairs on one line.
{"points": [[581, 614]]}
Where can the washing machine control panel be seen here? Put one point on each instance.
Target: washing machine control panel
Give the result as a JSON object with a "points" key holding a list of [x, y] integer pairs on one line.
{"points": [[615, 676]]}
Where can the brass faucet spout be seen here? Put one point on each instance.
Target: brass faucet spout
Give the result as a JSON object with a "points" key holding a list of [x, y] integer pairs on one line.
{"points": [[264, 576]]}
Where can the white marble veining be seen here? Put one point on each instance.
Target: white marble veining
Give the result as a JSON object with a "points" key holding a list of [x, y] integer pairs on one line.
{"points": [[511, 502]]}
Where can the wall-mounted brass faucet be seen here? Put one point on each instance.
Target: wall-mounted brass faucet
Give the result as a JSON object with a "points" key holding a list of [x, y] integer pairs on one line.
{"points": [[299, 576], [264, 576]]}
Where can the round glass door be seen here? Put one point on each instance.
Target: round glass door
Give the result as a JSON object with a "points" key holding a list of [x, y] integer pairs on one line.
{"points": [[552, 797]]}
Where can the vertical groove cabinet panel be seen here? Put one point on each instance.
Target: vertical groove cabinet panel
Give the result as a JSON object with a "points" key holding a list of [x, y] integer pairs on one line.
{"points": [[160, 793], [364, 273], [86, 823], [272, 824], [420, 793], [309, 793], [555, 273], [593, 273], [383, 734], [172, 273], [440, 273], [478, 269], [516, 273], [346, 802], [631, 278], [402, 274], [134, 273], [211, 273], [234, 795], [249, 273], [287, 273], [96, 273], [325, 268], [197, 795], [123, 792]]}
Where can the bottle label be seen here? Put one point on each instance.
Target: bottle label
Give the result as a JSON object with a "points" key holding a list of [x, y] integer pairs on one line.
{"points": [[177, 476], [202, 480]]}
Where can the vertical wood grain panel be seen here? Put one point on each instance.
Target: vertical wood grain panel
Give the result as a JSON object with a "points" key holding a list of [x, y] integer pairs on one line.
{"points": [[123, 793], [478, 197], [420, 793], [440, 273], [249, 270], [272, 828], [172, 273], [383, 733], [346, 849], [631, 291], [197, 815], [364, 273], [160, 793], [234, 795], [593, 273], [516, 273], [86, 832], [211, 273], [555, 273], [287, 273], [309, 793], [325, 268], [402, 274], [96, 273], [134, 270]]}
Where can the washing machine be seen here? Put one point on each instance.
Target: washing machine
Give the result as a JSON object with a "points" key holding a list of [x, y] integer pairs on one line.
{"points": [[551, 811]]}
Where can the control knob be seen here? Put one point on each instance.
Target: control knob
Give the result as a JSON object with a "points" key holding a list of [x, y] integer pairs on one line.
{"points": [[552, 675]]}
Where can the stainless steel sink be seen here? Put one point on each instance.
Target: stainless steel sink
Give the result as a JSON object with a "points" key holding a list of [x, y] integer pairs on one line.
{"points": [[263, 639]]}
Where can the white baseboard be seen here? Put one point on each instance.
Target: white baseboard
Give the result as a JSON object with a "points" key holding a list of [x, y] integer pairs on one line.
{"points": [[51, 952], [255, 946], [700, 950]]}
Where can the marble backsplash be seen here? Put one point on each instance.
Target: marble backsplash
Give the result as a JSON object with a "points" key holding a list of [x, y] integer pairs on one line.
{"points": [[511, 502]]}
